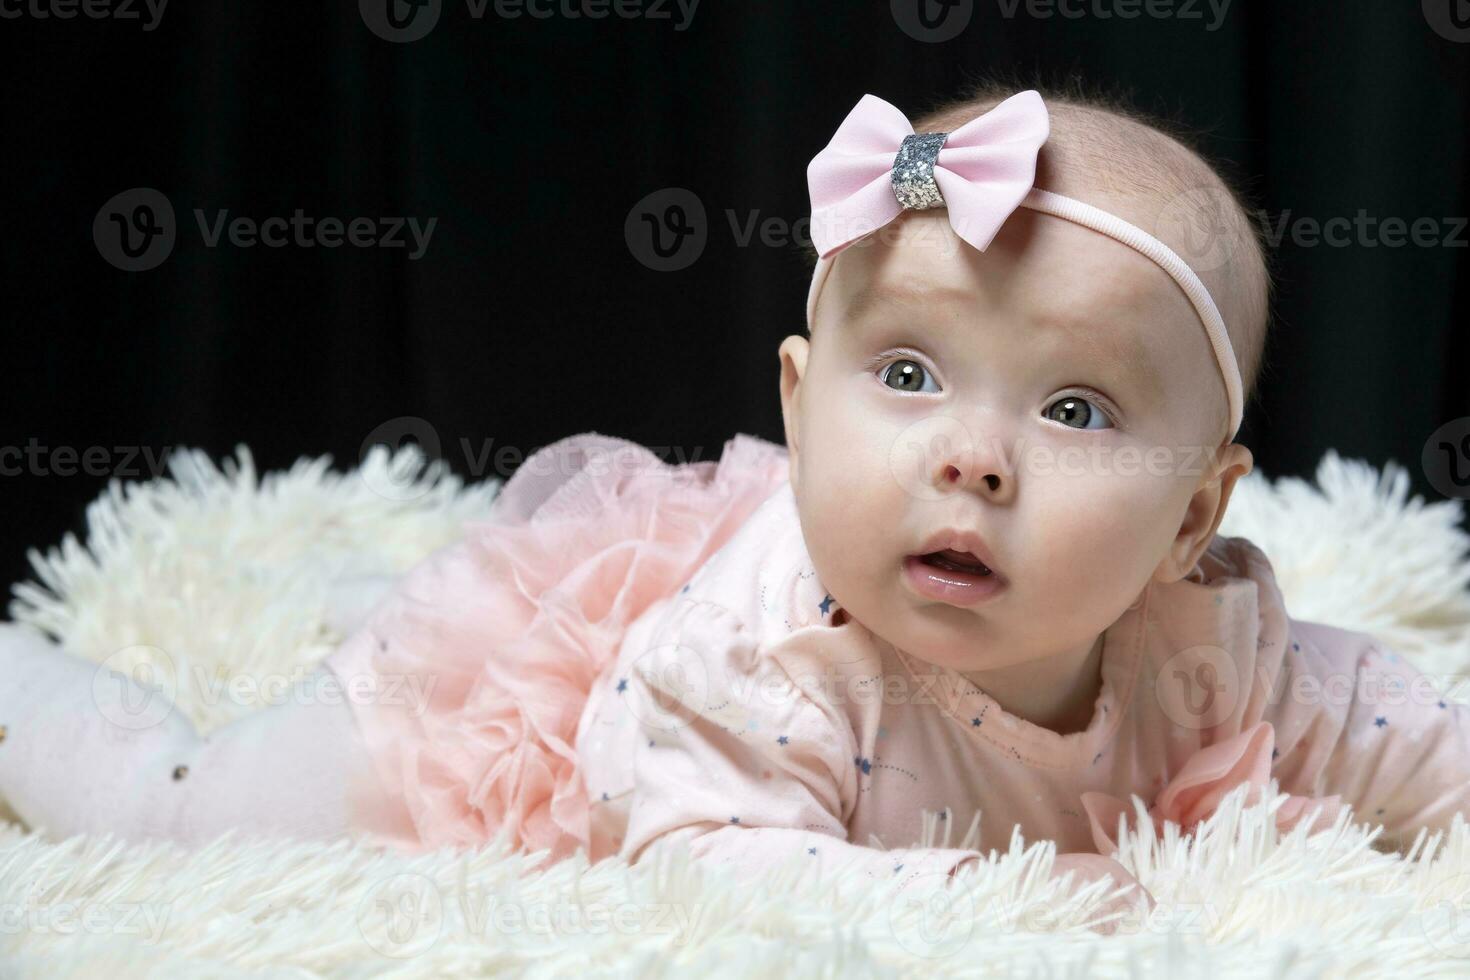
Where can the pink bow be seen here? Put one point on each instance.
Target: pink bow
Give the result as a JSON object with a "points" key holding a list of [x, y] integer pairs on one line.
{"points": [[984, 170], [1195, 793]]}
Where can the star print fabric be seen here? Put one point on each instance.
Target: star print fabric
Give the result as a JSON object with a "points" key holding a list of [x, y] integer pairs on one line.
{"points": [[616, 667], [757, 721], [1353, 717], [747, 759]]}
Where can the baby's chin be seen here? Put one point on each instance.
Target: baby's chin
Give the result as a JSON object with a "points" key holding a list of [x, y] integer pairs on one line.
{"points": [[943, 635]]}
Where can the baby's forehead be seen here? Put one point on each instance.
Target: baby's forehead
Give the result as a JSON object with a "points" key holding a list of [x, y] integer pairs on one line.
{"points": [[1165, 189], [1047, 288], [1048, 272]]}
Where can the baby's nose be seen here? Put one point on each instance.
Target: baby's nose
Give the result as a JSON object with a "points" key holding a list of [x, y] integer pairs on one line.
{"points": [[974, 465], [957, 478]]}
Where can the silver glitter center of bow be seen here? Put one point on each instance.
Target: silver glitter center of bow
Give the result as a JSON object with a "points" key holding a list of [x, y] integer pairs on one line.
{"points": [[913, 171]]}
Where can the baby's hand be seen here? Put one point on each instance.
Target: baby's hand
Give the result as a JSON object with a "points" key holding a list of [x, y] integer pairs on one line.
{"points": [[1136, 903]]}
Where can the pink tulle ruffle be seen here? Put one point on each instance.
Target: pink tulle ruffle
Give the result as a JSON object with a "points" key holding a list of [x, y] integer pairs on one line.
{"points": [[493, 644]]}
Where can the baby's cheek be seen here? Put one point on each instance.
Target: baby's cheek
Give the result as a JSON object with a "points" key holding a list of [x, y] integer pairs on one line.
{"points": [[849, 518], [1102, 542], [851, 468]]}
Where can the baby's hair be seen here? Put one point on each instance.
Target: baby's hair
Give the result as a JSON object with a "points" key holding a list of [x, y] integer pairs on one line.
{"points": [[1101, 142]]}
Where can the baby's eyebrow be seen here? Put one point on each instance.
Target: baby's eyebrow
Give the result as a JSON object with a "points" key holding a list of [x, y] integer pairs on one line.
{"points": [[872, 296], [1106, 338], [1113, 340]]}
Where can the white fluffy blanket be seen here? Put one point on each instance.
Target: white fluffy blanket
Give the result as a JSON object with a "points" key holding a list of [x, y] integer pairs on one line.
{"points": [[228, 570]]}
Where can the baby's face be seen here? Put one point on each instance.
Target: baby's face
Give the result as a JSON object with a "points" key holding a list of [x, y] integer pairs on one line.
{"points": [[1054, 395]]}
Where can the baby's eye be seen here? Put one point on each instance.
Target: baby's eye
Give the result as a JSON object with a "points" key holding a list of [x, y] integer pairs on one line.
{"points": [[1078, 412], [906, 374]]}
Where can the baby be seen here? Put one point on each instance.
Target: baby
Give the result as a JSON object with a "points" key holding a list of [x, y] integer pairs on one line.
{"points": [[979, 590]]}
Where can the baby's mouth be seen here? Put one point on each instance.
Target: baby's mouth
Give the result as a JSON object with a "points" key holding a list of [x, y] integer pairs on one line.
{"points": [[954, 577], [956, 561]]}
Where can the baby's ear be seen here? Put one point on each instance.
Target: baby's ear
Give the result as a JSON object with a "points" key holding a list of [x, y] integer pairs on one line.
{"points": [[1231, 463], [793, 353], [1206, 509]]}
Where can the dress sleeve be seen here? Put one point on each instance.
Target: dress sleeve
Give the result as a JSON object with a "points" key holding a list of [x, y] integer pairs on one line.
{"points": [[1353, 717], [747, 755]]}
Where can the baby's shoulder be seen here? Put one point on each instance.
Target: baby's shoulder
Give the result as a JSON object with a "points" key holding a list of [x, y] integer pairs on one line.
{"points": [[764, 576], [1240, 582], [1227, 623], [1210, 636]]}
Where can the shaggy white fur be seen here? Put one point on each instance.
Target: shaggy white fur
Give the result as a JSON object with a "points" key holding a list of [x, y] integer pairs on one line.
{"points": [[218, 569]]}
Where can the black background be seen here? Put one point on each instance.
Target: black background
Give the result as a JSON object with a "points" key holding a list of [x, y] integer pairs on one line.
{"points": [[531, 139]]}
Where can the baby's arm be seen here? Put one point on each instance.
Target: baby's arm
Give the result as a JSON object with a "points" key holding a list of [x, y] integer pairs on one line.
{"points": [[739, 761], [1353, 717], [752, 768]]}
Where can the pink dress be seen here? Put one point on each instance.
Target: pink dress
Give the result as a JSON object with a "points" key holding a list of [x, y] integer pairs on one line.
{"points": [[469, 679], [627, 660]]}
